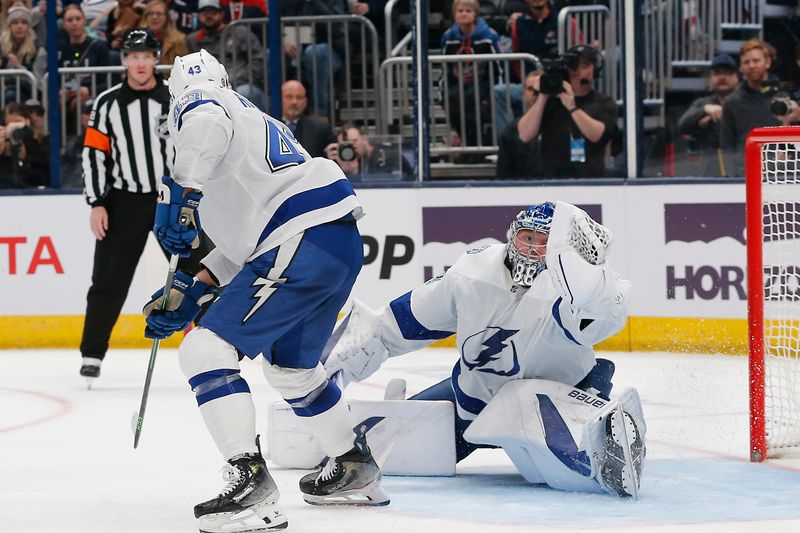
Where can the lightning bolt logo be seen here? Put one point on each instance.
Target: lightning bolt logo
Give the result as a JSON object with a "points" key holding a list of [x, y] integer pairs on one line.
{"points": [[275, 277], [493, 348]]}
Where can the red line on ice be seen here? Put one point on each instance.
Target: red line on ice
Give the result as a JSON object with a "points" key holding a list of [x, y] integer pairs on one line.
{"points": [[64, 407]]}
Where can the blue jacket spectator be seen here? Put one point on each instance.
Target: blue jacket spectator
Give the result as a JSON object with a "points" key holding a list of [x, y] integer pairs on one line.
{"points": [[470, 35]]}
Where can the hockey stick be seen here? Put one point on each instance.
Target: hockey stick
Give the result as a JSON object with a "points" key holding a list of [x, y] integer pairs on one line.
{"points": [[139, 420]]}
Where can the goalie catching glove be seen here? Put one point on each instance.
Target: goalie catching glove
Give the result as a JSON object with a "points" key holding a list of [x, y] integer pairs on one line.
{"points": [[185, 299], [576, 256], [177, 224]]}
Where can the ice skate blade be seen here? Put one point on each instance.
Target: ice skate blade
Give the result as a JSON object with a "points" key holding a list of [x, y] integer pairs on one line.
{"points": [[259, 518], [250, 523], [89, 382], [369, 496]]}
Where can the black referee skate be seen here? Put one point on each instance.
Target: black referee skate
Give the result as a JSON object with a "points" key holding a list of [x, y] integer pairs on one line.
{"points": [[248, 503], [350, 479], [90, 369]]}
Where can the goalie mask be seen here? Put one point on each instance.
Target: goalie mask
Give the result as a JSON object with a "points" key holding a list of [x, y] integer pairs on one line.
{"points": [[527, 242]]}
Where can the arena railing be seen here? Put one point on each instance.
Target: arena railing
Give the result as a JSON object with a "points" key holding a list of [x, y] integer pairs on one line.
{"points": [[98, 80], [360, 41], [22, 91], [439, 112], [592, 25]]}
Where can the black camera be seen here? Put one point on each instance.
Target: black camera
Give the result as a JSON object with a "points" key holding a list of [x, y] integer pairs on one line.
{"points": [[20, 134], [556, 72], [347, 151], [781, 106]]}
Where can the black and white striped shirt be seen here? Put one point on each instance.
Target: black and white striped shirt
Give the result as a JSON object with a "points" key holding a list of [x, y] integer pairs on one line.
{"points": [[123, 148]]}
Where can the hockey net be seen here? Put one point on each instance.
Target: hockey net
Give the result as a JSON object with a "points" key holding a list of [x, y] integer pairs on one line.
{"points": [[773, 256]]}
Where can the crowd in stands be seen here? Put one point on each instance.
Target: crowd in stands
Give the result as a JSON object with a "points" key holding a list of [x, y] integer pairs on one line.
{"points": [[541, 128]]}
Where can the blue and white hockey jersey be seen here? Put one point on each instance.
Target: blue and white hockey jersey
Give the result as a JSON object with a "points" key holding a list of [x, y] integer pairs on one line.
{"points": [[503, 331], [260, 186]]}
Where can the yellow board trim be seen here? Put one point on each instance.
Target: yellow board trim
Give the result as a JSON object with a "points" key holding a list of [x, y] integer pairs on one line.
{"points": [[65, 332], [692, 335]]}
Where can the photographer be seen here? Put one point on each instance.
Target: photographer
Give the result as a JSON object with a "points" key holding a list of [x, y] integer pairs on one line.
{"points": [[700, 123], [575, 121], [349, 149], [757, 101], [23, 160]]}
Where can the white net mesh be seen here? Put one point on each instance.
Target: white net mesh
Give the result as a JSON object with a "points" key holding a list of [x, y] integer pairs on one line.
{"points": [[780, 187]]}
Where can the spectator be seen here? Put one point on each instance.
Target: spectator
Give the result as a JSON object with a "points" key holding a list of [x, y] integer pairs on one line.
{"points": [[534, 32], [356, 154], [18, 48], [23, 160], [36, 111], [79, 50], [173, 42], [243, 54], [125, 15], [243, 9], [38, 19], [469, 35], [184, 14], [576, 124], [312, 133], [95, 12], [748, 106], [515, 158], [348, 150], [319, 61], [701, 121], [373, 10]]}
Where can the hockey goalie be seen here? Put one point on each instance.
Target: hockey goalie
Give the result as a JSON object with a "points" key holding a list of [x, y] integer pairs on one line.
{"points": [[526, 315]]}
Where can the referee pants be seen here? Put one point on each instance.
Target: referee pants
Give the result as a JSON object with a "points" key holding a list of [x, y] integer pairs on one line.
{"points": [[130, 221]]}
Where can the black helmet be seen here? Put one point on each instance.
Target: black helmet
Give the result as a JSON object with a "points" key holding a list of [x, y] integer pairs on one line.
{"points": [[140, 40]]}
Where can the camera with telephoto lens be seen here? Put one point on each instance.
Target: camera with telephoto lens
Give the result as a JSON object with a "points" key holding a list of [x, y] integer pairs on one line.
{"points": [[556, 72], [347, 151], [781, 106], [20, 134]]}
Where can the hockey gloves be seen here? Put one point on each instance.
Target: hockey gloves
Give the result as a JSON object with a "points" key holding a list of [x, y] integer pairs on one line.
{"points": [[185, 299], [177, 225]]}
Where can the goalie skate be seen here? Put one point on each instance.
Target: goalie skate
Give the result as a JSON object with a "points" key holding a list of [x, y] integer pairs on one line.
{"points": [[350, 479], [90, 369], [247, 504]]}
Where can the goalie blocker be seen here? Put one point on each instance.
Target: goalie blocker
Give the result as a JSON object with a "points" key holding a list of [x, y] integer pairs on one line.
{"points": [[554, 434]]}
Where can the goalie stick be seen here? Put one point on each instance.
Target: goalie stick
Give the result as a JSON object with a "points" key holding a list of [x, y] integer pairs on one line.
{"points": [[138, 420]]}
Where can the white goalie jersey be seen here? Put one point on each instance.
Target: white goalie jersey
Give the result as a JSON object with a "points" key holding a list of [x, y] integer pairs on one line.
{"points": [[503, 331], [260, 185]]}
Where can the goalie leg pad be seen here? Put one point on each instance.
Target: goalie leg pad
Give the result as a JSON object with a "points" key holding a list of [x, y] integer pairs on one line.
{"points": [[444, 391]]}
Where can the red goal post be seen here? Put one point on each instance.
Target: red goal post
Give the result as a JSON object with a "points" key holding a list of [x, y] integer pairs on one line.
{"points": [[772, 162]]}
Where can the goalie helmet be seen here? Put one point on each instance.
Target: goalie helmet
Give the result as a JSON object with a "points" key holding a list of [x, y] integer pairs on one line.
{"points": [[525, 257], [198, 68]]}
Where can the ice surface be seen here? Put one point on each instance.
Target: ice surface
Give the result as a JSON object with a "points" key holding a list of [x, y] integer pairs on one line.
{"points": [[67, 462]]}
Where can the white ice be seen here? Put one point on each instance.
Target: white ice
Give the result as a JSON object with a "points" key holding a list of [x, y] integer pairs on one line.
{"points": [[67, 462]]}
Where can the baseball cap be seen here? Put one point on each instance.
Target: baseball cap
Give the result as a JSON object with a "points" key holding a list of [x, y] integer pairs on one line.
{"points": [[723, 60], [202, 4]]}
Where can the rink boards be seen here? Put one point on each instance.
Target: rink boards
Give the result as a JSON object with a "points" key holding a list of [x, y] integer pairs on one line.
{"points": [[681, 245]]}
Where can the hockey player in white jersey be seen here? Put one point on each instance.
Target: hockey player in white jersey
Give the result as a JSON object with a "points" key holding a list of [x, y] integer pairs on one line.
{"points": [[287, 253], [526, 313]]}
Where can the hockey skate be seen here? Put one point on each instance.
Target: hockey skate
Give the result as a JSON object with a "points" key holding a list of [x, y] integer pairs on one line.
{"points": [[350, 479], [90, 369], [248, 503]]}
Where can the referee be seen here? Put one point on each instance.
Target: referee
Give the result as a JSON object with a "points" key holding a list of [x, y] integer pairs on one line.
{"points": [[124, 154]]}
